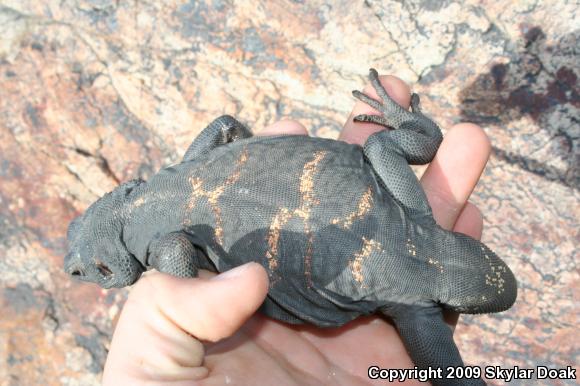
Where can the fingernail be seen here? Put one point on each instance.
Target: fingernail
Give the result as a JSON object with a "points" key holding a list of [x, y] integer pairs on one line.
{"points": [[234, 272]]}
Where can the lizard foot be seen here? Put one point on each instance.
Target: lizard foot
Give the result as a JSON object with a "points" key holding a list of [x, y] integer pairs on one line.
{"points": [[393, 115]]}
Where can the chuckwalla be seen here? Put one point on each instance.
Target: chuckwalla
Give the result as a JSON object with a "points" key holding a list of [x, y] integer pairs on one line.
{"points": [[342, 230]]}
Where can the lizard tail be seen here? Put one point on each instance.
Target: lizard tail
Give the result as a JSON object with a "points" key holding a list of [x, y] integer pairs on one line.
{"points": [[474, 280]]}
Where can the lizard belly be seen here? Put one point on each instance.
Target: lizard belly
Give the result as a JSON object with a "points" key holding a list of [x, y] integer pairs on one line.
{"points": [[309, 210]]}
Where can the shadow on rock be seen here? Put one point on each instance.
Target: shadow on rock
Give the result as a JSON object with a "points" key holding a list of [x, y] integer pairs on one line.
{"points": [[533, 84]]}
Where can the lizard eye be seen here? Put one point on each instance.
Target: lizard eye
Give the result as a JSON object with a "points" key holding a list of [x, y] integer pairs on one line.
{"points": [[103, 269]]}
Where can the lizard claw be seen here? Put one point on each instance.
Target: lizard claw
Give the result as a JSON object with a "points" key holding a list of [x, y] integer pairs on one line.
{"points": [[378, 119], [392, 115], [415, 103]]}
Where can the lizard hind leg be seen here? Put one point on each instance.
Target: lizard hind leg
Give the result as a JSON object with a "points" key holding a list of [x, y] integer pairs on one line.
{"points": [[389, 162], [414, 140], [417, 135], [428, 340]]}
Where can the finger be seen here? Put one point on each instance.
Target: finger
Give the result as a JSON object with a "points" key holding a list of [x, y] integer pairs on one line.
{"points": [[284, 127], [166, 317], [470, 221], [210, 310], [455, 170], [357, 132]]}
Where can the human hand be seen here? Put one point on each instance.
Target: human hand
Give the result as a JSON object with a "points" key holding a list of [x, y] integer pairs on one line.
{"points": [[173, 330]]}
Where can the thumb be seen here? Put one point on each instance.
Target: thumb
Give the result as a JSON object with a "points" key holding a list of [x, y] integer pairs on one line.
{"points": [[213, 309], [164, 319]]}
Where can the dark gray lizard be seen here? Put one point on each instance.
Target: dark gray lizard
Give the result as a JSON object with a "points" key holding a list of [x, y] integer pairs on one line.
{"points": [[342, 230]]}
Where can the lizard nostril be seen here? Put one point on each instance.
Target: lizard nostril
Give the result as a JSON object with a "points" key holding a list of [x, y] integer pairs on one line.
{"points": [[76, 272]]}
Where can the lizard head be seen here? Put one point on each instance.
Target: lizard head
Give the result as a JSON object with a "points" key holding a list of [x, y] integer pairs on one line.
{"points": [[97, 252]]}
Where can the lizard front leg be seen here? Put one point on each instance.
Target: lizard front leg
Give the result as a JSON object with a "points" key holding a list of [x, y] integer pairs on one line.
{"points": [[222, 130], [173, 254]]}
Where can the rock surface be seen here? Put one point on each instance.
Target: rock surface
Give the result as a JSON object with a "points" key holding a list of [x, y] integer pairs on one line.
{"points": [[93, 92]]}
